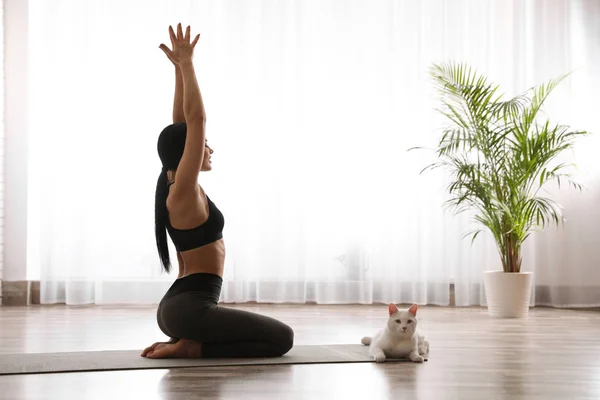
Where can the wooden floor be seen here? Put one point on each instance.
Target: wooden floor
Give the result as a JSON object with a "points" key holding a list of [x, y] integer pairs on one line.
{"points": [[554, 354]]}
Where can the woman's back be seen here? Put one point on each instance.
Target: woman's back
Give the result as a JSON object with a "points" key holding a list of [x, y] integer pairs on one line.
{"points": [[195, 226]]}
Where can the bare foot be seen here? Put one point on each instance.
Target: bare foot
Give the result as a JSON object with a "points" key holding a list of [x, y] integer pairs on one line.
{"points": [[182, 349], [151, 348]]}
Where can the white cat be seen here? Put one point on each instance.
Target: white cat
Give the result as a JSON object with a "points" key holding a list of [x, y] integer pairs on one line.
{"points": [[399, 338]]}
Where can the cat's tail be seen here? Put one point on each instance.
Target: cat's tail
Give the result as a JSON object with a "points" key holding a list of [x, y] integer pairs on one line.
{"points": [[366, 340]]}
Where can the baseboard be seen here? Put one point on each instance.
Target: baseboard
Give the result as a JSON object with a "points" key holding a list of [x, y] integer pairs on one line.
{"points": [[20, 293], [25, 293]]}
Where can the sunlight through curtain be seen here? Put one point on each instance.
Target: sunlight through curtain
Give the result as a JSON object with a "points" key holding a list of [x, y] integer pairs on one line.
{"points": [[1, 146], [311, 108]]}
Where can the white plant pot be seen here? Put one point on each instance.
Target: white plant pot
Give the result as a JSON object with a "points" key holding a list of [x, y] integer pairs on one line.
{"points": [[508, 293]]}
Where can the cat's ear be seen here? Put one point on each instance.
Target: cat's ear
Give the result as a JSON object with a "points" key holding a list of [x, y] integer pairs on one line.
{"points": [[393, 309], [413, 309]]}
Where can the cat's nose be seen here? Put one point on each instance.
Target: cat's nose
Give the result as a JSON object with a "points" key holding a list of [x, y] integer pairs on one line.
{"points": [[404, 328]]}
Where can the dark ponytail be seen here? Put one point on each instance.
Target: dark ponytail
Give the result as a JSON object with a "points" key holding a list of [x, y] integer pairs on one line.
{"points": [[161, 216], [170, 146]]}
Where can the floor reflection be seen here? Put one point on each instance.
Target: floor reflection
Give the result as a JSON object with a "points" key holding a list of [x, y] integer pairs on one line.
{"points": [[315, 381]]}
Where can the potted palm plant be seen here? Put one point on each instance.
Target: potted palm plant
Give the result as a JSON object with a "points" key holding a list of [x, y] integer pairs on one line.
{"points": [[499, 155]]}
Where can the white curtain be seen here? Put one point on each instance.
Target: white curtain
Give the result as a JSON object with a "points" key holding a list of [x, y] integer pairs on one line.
{"points": [[311, 107], [1, 146]]}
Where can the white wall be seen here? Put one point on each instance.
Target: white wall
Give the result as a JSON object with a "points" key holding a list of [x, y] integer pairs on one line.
{"points": [[15, 140], [1, 144]]}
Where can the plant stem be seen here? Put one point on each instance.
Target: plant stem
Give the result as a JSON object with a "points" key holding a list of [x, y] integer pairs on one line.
{"points": [[511, 253]]}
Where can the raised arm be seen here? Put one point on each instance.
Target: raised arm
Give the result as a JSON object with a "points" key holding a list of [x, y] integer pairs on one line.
{"points": [[186, 177], [178, 115]]}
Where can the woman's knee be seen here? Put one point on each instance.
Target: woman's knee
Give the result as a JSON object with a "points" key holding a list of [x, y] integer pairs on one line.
{"points": [[159, 320], [285, 339], [175, 322]]}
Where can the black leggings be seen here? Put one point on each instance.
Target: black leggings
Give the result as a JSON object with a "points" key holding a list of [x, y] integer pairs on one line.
{"points": [[190, 310]]}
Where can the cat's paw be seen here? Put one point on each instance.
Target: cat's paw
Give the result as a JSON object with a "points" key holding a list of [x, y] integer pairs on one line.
{"points": [[379, 357], [417, 359]]}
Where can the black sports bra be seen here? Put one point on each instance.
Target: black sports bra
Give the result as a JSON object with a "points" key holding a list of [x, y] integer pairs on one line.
{"points": [[209, 232]]}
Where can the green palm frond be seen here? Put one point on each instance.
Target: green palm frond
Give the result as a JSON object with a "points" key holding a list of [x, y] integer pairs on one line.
{"points": [[540, 94], [499, 156]]}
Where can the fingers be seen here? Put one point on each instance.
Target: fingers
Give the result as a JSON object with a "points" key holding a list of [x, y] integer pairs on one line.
{"points": [[195, 40], [172, 36], [179, 32], [181, 36], [167, 51]]}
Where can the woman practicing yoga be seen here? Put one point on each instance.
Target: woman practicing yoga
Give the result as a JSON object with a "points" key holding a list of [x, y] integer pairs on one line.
{"points": [[189, 312]]}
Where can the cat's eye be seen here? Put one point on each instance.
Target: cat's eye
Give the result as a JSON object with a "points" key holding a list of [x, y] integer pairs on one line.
{"points": [[398, 321], [410, 321]]}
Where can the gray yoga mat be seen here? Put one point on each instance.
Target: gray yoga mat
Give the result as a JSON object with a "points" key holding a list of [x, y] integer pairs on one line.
{"points": [[35, 363]]}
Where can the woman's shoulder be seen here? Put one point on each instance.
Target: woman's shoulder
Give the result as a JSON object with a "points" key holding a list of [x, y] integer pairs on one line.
{"points": [[185, 199]]}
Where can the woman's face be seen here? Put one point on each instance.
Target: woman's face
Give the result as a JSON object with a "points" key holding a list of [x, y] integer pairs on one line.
{"points": [[206, 164]]}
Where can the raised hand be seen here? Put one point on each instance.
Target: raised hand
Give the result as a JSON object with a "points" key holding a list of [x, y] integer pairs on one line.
{"points": [[182, 50]]}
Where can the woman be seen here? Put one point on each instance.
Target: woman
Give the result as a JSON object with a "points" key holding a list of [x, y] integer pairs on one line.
{"points": [[189, 312]]}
